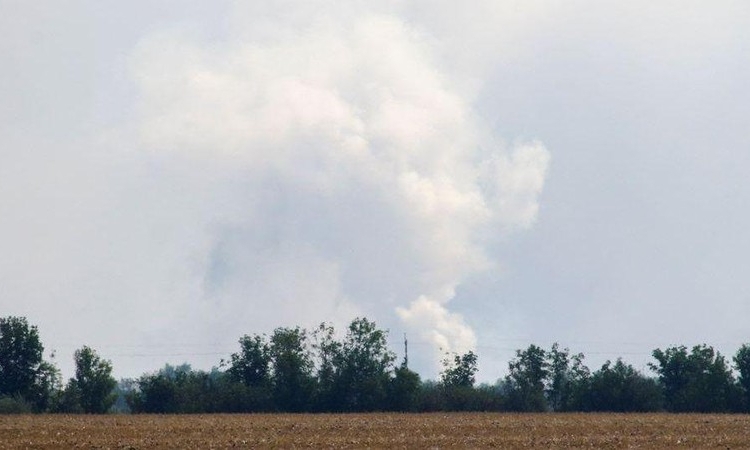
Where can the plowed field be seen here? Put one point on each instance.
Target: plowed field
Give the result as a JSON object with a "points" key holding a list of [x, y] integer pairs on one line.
{"points": [[377, 431]]}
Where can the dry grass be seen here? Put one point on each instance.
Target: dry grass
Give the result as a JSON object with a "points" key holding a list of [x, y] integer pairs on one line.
{"points": [[378, 431]]}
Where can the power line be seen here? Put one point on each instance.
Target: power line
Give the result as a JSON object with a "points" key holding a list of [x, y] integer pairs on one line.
{"points": [[165, 355]]}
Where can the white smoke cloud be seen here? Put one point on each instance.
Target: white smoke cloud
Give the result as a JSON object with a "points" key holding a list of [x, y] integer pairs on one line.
{"points": [[313, 160], [364, 180]]}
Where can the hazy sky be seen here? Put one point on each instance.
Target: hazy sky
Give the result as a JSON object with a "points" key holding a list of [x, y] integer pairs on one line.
{"points": [[174, 174]]}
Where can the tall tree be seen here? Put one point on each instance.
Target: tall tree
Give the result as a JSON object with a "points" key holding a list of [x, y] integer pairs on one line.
{"points": [[700, 380], [93, 385], [457, 380], [742, 364], [20, 358], [566, 380], [292, 378], [361, 368], [327, 351], [251, 365], [525, 380], [47, 387]]}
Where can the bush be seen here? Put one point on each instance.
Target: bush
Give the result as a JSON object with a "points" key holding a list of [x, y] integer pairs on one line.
{"points": [[14, 405]]}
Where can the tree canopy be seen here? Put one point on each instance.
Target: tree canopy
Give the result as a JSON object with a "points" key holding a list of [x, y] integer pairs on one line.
{"points": [[93, 384], [296, 370], [20, 356]]}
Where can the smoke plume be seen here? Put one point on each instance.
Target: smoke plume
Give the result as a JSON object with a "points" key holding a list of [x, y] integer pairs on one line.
{"points": [[348, 172]]}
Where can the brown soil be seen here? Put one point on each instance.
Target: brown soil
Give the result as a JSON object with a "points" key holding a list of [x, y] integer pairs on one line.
{"points": [[377, 431]]}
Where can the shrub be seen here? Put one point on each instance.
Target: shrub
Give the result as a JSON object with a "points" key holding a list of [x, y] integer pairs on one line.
{"points": [[14, 405]]}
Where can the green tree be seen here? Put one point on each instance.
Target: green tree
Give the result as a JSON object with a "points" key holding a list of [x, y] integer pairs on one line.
{"points": [[566, 379], [525, 380], [742, 364], [93, 385], [20, 357], [156, 393], [404, 390], [327, 352], [461, 371], [699, 381], [354, 374], [251, 365], [173, 389], [621, 388], [365, 366], [457, 381], [46, 390], [292, 379], [24, 376]]}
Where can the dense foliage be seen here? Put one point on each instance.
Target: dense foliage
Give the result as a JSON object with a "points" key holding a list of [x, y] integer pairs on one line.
{"points": [[296, 370], [91, 391], [27, 382]]}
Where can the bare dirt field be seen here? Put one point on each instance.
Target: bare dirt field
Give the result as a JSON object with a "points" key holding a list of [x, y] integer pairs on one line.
{"points": [[377, 431]]}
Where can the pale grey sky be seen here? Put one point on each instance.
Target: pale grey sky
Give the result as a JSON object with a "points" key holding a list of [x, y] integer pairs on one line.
{"points": [[176, 174]]}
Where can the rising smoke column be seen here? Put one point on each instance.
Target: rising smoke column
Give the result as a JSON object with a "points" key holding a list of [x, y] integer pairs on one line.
{"points": [[362, 182]]}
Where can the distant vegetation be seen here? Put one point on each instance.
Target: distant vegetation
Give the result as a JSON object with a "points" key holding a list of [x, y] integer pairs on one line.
{"points": [[297, 370]]}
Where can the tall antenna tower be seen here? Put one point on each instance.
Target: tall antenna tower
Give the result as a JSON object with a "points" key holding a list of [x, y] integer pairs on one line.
{"points": [[406, 352]]}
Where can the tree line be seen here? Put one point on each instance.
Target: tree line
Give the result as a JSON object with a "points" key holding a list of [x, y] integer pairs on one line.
{"points": [[299, 370]]}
